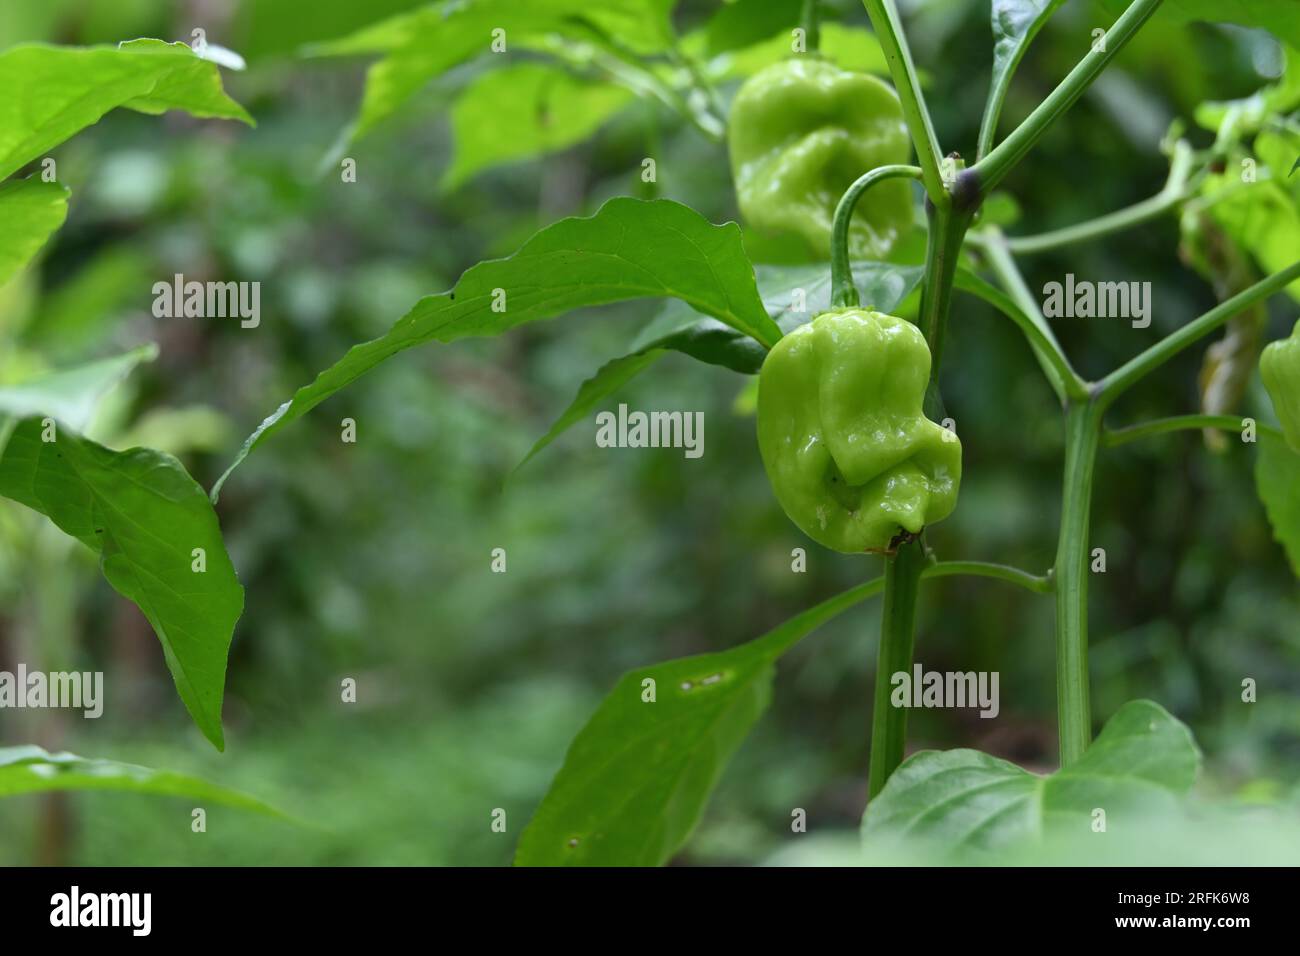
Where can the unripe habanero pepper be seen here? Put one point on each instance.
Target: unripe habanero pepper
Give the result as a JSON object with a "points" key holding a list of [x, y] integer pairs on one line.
{"points": [[850, 455], [800, 132]]}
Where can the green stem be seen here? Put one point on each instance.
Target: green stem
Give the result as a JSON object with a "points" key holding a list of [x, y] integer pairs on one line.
{"points": [[948, 227], [844, 293], [994, 167], [897, 634], [1161, 426], [1038, 583], [1176, 189], [1114, 384], [811, 23], [889, 32], [1074, 721]]}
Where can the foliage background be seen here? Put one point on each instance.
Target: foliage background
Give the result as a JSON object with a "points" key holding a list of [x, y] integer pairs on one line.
{"points": [[371, 560]]}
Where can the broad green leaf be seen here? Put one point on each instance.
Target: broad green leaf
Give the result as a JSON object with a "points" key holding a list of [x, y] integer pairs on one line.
{"points": [[71, 395], [52, 92], [1277, 479], [544, 108], [30, 210], [146, 517], [1142, 763], [1015, 24], [1279, 17], [420, 46], [30, 769], [682, 329], [630, 249], [637, 777]]}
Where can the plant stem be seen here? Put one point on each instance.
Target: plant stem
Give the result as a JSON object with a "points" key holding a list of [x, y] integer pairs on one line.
{"points": [[948, 227], [843, 292], [1114, 384], [1176, 189], [811, 23], [994, 167], [1074, 722], [1160, 426], [897, 629], [889, 31]]}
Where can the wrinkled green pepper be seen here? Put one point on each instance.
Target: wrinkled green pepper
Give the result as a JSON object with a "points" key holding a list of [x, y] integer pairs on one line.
{"points": [[850, 455], [800, 132], [1279, 366]]}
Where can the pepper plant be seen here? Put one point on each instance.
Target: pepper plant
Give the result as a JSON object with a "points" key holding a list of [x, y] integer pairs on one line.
{"points": [[861, 449]]}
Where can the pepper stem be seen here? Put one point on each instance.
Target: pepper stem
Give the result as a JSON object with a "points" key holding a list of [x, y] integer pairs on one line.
{"points": [[1083, 434], [810, 20], [897, 627], [844, 294]]}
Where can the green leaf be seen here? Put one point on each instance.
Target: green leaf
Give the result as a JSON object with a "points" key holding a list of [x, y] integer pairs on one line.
{"points": [[144, 515], [1277, 479], [630, 249], [1143, 762], [72, 395], [681, 328], [53, 92], [637, 777], [30, 769], [1015, 24], [1279, 17], [421, 45], [30, 210], [545, 109]]}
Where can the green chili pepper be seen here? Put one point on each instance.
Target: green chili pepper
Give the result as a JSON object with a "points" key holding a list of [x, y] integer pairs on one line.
{"points": [[849, 453], [1279, 366], [800, 132]]}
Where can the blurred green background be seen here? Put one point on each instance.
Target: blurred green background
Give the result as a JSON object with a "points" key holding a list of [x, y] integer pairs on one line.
{"points": [[371, 560]]}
